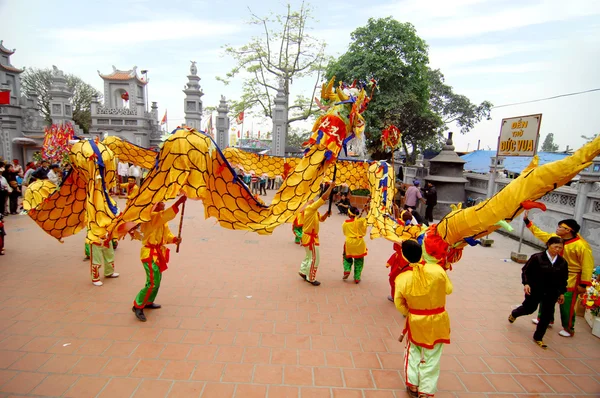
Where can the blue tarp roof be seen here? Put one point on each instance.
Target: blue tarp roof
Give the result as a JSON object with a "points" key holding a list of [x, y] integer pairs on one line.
{"points": [[479, 161]]}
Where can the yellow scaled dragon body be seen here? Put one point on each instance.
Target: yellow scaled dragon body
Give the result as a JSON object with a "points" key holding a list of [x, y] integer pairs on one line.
{"points": [[189, 161]]}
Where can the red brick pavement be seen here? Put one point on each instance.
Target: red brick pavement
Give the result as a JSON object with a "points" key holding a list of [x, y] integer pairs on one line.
{"points": [[238, 321]]}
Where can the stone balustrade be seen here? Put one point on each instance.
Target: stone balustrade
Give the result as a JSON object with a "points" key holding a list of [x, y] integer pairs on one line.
{"points": [[581, 202]]}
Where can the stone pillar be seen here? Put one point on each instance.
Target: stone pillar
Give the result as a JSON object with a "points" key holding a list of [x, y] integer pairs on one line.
{"points": [[222, 124], [583, 189], [61, 109], [280, 118], [193, 103], [496, 167]]}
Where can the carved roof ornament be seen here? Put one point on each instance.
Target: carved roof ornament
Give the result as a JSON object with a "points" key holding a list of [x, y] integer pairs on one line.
{"points": [[193, 69], [57, 72], [123, 75], [5, 50]]}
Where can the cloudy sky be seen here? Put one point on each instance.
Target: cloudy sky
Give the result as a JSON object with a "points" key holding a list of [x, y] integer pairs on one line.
{"points": [[504, 51]]}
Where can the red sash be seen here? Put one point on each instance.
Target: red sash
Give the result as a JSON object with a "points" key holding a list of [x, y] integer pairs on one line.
{"points": [[432, 311], [163, 260]]}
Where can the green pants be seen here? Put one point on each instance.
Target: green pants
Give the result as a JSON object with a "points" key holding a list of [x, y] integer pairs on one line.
{"points": [[422, 367], [297, 234], [567, 312], [149, 292], [358, 266], [310, 264], [99, 255]]}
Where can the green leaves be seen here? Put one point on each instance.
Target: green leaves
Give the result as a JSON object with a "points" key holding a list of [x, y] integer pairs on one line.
{"points": [[284, 52], [411, 96], [39, 80]]}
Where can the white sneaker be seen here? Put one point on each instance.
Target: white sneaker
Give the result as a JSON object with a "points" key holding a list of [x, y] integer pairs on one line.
{"points": [[97, 283], [535, 321], [113, 275], [564, 333]]}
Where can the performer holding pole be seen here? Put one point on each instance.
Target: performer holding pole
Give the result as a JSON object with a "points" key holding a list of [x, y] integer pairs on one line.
{"points": [[154, 255]]}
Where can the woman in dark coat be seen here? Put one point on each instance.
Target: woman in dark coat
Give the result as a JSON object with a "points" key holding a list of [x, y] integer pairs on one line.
{"points": [[13, 196], [544, 278]]}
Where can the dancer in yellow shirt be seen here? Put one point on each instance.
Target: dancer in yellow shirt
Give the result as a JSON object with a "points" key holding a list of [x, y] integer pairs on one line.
{"points": [[310, 237], [421, 297], [355, 249], [154, 255]]}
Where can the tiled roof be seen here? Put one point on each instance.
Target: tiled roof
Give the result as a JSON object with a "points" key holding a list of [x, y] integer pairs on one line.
{"points": [[479, 161], [5, 50], [122, 75], [9, 68]]}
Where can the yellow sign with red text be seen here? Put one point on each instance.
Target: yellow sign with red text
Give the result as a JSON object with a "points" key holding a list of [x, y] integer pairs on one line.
{"points": [[519, 136]]}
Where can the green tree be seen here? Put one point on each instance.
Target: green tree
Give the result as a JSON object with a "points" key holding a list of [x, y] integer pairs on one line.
{"points": [[455, 108], [284, 52], [39, 80], [548, 145], [296, 137], [410, 95]]}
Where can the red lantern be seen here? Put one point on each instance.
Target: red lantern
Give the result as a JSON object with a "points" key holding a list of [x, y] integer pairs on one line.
{"points": [[125, 96]]}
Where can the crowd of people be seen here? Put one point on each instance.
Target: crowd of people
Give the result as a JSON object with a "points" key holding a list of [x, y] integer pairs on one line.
{"points": [[14, 180]]}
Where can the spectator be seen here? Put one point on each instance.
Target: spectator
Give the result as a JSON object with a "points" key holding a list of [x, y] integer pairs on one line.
{"points": [[135, 172], [42, 172], [54, 175], [66, 169], [17, 168], [431, 200], [263, 184], [4, 190], [123, 172], [544, 278], [278, 181], [343, 205], [412, 198], [255, 183], [14, 191]]}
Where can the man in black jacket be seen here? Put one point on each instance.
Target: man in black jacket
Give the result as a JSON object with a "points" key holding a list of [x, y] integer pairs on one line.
{"points": [[431, 200], [42, 172], [544, 278]]}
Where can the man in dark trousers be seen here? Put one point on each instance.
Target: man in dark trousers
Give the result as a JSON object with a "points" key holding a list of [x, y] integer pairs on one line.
{"points": [[430, 199]]}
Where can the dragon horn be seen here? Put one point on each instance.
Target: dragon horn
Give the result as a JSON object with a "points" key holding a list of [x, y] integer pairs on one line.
{"points": [[341, 95], [327, 90], [532, 184]]}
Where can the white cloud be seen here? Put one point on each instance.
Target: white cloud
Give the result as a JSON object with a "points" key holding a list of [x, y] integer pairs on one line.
{"points": [[497, 68], [131, 33], [466, 18]]}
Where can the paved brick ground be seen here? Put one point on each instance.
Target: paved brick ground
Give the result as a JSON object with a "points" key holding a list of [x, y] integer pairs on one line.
{"points": [[238, 321]]}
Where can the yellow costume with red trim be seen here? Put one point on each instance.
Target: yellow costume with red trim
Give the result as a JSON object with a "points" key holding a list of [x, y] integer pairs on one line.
{"points": [[310, 227], [154, 255], [355, 230], [355, 248], [421, 297], [310, 239]]}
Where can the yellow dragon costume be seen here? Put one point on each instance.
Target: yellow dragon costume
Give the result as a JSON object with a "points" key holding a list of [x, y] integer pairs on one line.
{"points": [[189, 161]]}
